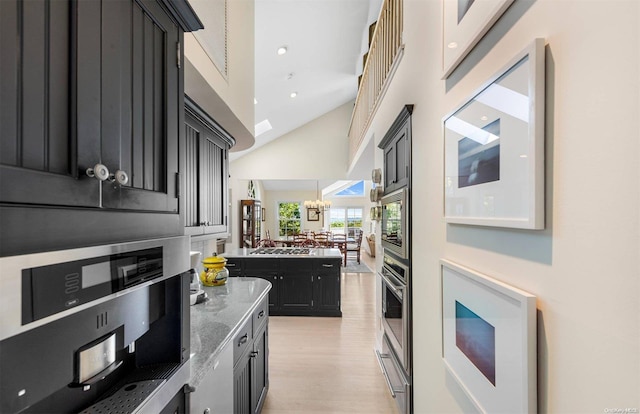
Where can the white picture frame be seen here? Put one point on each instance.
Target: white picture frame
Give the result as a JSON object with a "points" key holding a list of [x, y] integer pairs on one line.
{"points": [[489, 341], [494, 148], [464, 22]]}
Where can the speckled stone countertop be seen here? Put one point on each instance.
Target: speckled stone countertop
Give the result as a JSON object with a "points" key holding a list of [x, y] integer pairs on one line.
{"points": [[314, 253], [215, 322]]}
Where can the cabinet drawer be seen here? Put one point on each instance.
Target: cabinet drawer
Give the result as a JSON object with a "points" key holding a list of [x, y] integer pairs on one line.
{"points": [[242, 340], [252, 265], [260, 316], [234, 266]]}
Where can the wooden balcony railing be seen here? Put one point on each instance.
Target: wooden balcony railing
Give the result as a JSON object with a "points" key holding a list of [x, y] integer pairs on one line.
{"points": [[384, 54]]}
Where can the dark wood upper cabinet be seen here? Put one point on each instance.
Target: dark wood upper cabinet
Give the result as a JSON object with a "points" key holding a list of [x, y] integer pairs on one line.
{"points": [[88, 83], [205, 173], [85, 83], [396, 147]]}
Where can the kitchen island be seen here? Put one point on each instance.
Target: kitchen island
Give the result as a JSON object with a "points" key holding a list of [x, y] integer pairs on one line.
{"points": [[229, 347], [306, 281]]}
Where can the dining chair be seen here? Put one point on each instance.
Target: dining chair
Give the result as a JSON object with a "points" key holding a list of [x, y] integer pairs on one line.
{"points": [[267, 243], [339, 241], [299, 238], [355, 247], [322, 239], [309, 243]]}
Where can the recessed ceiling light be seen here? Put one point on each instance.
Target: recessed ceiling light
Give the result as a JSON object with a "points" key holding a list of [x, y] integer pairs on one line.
{"points": [[483, 118], [523, 156], [255, 102], [452, 45], [293, 94], [282, 50]]}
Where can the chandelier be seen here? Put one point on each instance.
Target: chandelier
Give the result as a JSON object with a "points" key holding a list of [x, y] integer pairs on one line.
{"points": [[317, 204]]}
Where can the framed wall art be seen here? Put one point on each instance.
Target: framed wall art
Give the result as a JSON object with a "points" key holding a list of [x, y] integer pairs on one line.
{"points": [[489, 340], [494, 148], [313, 214], [464, 22]]}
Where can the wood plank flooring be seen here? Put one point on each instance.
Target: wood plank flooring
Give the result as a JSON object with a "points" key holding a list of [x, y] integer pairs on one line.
{"points": [[328, 365]]}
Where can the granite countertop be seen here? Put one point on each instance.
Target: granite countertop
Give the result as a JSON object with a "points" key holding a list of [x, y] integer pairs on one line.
{"points": [[215, 322], [314, 253]]}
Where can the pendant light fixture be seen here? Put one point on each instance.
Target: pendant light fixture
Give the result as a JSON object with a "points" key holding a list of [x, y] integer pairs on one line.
{"points": [[320, 205]]}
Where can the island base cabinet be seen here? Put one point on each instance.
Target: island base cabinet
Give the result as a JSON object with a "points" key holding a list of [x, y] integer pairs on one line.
{"points": [[251, 376], [214, 395], [300, 286]]}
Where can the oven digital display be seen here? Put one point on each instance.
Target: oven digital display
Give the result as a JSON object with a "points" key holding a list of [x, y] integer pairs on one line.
{"points": [[96, 274]]}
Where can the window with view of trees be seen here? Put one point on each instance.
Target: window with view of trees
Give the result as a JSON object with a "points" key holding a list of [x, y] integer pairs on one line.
{"points": [[289, 218], [346, 220]]}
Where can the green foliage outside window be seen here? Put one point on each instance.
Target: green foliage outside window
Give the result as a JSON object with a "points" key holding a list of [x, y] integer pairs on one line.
{"points": [[289, 218]]}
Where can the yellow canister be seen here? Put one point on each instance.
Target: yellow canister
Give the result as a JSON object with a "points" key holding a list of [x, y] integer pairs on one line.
{"points": [[214, 273]]}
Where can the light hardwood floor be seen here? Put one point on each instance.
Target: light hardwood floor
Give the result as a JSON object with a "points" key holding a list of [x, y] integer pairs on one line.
{"points": [[328, 365]]}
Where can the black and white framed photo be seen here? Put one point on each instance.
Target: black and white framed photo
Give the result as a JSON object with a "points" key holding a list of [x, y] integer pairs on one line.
{"points": [[489, 340], [313, 214], [494, 148], [464, 22]]}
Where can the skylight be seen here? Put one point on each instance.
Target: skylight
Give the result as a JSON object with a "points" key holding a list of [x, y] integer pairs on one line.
{"points": [[355, 190], [262, 127]]}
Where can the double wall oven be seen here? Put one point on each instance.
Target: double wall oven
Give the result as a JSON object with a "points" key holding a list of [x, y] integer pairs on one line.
{"points": [[395, 355]]}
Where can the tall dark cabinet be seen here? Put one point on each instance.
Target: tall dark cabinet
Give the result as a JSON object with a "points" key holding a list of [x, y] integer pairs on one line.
{"points": [[396, 147], [91, 112], [205, 173], [250, 223]]}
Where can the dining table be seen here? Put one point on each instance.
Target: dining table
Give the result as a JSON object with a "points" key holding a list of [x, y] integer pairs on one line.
{"points": [[284, 241], [341, 243]]}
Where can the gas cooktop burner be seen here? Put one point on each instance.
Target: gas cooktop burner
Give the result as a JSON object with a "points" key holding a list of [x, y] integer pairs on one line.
{"points": [[282, 250]]}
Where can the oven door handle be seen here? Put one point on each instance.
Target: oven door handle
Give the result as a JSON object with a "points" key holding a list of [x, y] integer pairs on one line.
{"points": [[398, 290]]}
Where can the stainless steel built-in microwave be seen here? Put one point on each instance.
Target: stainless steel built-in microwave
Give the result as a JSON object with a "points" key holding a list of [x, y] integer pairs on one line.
{"points": [[395, 223]]}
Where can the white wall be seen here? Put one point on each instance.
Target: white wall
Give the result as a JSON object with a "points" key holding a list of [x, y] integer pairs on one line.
{"points": [[314, 151], [237, 88], [229, 100], [584, 267]]}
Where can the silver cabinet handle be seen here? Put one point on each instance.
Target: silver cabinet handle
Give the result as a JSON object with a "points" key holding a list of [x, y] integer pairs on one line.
{"points": [[243, 340], [99, 171], [327, 265], [319, 277], [230, 265], [261, 314]]}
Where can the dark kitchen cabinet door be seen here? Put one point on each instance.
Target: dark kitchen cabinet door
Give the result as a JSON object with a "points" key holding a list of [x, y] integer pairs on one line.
{"points": [[396, 146], [86, 83], [132, 108], [327, 285], [41, 154], [205, 173], [296, 285], [260, 356], [242, 385]]}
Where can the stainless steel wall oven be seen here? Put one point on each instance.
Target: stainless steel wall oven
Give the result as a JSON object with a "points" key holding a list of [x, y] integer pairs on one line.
{"points": [[396, 355], [92, 328], [394, 226], [396, 309]]}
